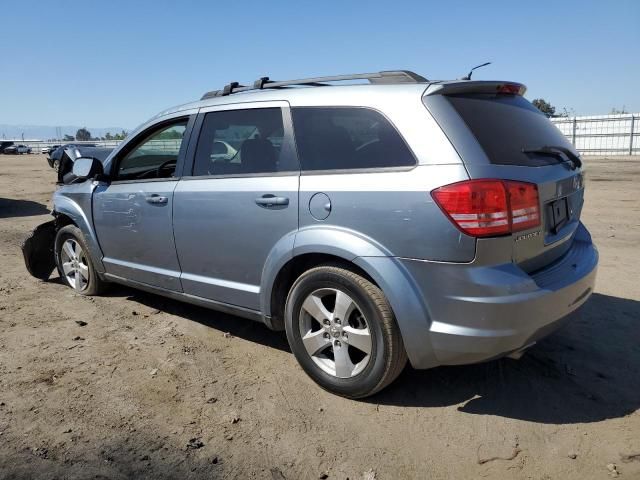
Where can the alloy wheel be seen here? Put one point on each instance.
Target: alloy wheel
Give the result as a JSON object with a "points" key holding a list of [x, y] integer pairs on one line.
{"points": [[335, 332], [74, 264]]}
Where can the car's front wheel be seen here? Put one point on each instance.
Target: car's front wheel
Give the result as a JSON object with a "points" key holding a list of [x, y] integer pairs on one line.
{"points": [[74, 262], [343, 333]]}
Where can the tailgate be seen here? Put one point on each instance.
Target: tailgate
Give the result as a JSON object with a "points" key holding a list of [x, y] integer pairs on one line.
{"points": [[561, 197], [503, 136]]}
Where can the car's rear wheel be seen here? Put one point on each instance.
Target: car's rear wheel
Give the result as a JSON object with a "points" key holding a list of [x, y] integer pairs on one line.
{"points": [[74, 262], [343, 333]]}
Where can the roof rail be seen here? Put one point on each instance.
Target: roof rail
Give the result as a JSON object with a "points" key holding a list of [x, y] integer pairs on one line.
{"points": [[384, 77]]}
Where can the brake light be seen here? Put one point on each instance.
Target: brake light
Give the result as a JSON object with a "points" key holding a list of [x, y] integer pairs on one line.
{"points": [[511, 89], [490, 207]]}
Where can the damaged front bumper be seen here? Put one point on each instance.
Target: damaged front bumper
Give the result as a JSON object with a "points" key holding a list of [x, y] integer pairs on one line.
{"points": [[37, 250]]}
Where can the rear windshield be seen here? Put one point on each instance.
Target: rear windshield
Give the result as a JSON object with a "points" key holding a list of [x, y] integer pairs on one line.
{"points": [[504, 125]]}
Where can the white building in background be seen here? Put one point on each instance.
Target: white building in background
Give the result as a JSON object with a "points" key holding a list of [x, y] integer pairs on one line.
{"points": [[20, 140]]}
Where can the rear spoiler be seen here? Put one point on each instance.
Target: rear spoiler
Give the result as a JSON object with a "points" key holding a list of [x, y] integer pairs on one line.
{"points": [[476, 86]]}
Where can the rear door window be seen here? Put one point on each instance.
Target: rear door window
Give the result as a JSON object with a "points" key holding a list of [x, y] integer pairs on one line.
{"points": [[242, 142], [505, 125], [338, 138]]}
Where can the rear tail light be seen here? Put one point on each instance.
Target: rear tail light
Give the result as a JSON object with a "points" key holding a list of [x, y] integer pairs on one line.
{"points": [[488, 207], [523, 203]]}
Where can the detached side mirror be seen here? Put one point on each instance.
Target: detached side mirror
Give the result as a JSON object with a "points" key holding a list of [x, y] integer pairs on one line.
{"points": [[83, 169]]}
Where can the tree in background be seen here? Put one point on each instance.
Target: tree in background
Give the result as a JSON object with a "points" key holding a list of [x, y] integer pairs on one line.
{"points": [[68, 138], [615, 111], [120, 136], [544, 106], [169, 135], [83, 135]]}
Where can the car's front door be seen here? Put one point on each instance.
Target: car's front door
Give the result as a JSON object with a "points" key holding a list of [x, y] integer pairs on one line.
{"points": [[241, 199], [133, 213]]}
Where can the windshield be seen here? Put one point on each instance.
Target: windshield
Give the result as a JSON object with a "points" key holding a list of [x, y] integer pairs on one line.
{"points": [[505, 125]]}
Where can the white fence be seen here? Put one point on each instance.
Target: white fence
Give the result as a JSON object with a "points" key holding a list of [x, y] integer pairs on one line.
{"points": [[603, 134], [36, 145], [162, 145], [591, 135]]}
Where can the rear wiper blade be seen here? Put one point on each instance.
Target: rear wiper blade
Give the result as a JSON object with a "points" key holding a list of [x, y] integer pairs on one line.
{"points": [[558, 152], [570, 155]]}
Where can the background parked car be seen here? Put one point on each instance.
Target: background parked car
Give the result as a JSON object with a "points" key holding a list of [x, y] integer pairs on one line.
{"points": [[17, 149], [55, 156], [5, 145], [48, 149], [223, 151]]}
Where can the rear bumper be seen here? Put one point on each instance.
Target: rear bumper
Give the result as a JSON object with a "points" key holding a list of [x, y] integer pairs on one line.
{"points": [[477, 313]]}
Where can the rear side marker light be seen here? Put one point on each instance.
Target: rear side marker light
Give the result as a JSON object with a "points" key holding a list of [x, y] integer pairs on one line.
{"points": [[490, 207]]}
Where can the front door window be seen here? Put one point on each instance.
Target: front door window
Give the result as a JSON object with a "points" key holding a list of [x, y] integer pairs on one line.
{"points": [[155, 156]]}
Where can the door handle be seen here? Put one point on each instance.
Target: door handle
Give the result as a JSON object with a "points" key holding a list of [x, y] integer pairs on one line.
{"points": [[269, 201], [157, 199]]}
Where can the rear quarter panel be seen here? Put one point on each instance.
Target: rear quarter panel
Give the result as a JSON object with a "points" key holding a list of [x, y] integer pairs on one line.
{"points": [[393, 209]]}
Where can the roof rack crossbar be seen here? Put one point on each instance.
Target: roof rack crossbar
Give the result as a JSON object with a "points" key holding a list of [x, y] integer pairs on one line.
{"points": [[384, 77]]}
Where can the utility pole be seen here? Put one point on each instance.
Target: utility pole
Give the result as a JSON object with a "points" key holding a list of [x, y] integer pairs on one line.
{"points": [[631, 135]]}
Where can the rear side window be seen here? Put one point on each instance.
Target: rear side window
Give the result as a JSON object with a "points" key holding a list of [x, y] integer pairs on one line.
{"points": [[504, 125], [338, 138], [240, 142]]}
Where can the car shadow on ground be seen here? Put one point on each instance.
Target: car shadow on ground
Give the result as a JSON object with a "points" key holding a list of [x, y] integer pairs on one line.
{"points": [[10, 208], [238, 327], [587, 372]]}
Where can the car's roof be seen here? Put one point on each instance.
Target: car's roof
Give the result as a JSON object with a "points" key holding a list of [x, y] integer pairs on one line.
{"points": [[305, 96], [327, 95]]}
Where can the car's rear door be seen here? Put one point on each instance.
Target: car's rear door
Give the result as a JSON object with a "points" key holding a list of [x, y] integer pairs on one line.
{"points": [[240, 200], [133, 213]]}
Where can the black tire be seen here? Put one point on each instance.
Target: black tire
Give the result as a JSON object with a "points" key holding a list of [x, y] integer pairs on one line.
{"points": [[387, 356], [95, 284]]}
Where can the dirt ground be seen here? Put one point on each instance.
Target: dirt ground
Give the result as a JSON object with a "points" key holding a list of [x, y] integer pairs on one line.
{"points": [[152, 388]]}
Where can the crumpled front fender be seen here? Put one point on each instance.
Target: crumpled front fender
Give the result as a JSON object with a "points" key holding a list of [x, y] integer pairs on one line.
{"points": [[74, 201], [37, 250]]}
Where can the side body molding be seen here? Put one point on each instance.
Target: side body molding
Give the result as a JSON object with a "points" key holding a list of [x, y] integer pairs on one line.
{"points": [[392, 277], [75, 203]]}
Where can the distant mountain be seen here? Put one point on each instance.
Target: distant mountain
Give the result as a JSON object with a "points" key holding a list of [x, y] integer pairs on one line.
{"points": [[45, 132]]}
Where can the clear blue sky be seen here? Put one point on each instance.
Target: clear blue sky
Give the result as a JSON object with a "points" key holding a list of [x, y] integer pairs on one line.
{"points": [[116, 63]]}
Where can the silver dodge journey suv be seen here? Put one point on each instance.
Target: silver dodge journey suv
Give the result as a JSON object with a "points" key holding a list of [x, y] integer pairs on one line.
{"points": [[374, 217]]}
